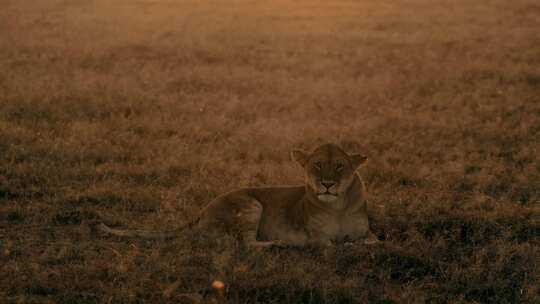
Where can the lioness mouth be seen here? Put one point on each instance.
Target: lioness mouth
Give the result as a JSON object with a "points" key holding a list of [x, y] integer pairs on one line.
{"points": [[328, 193], [327, 197]]}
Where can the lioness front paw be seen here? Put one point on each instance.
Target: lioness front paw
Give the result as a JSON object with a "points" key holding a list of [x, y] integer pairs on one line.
{"points": [[267, 244]]}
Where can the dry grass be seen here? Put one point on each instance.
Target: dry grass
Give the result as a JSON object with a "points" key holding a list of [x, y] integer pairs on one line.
{"points": [[137, 113]]}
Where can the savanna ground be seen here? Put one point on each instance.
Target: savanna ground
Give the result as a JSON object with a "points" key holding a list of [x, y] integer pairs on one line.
{"points": [[137, 113]]}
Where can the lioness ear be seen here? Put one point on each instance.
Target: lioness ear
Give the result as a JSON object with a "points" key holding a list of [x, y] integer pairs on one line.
{"points": [[358, 160], [299, 156]]}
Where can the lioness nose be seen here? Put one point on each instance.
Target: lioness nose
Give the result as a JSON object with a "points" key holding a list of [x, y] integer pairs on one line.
{"points": [[328, 185]]}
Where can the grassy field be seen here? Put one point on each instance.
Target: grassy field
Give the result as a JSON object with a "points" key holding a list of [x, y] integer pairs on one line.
{"points": [[137, 113]]}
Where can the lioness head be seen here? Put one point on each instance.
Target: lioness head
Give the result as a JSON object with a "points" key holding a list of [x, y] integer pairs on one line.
{"points": [[329, 170]]}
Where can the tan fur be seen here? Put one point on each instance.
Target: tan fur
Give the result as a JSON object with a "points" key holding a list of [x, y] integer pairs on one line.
{"points": [[331, 205]]}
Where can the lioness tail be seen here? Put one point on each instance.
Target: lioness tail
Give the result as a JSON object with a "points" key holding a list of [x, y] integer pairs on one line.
{"points": [[146, 234]]}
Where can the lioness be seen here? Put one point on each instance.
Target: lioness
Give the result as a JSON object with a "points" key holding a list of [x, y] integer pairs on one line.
{"points": [[331, 205]]}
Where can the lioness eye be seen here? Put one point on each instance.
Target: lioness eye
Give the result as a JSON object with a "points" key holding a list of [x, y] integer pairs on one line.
{"points": [[318, 165], [339, 166]]}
